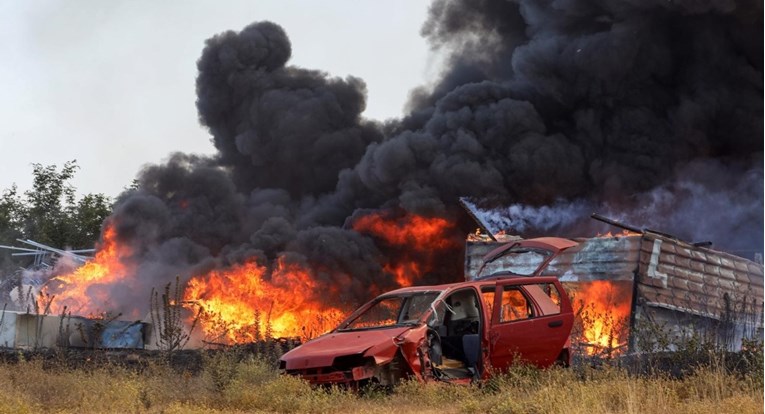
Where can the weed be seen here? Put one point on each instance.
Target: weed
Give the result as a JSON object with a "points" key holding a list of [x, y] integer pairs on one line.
{"points": [[221, 368], [232, 381], [167, 319]]}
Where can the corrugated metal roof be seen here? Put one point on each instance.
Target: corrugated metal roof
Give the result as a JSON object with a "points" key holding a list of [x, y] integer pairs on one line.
{"points": [[680, 276]]}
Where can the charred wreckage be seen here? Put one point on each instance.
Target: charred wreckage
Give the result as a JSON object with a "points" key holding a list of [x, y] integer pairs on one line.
{"points": [[519, 302]]}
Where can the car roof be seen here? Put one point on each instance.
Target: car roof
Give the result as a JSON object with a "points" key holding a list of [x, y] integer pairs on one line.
{"points": [[455, 286]]}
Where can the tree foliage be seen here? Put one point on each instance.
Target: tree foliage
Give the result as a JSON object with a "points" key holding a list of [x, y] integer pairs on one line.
{"points": [[12, 212], [50, 212]]}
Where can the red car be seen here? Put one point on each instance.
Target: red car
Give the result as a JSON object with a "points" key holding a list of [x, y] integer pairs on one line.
{"points": [[457, 332]]}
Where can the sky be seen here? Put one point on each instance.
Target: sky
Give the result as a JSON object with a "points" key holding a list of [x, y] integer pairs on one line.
{"points": [[111, 84]]}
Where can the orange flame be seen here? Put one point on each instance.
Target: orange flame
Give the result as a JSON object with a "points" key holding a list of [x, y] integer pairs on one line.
{"points": [[418, 242], [623, 233], [404, 273], [604, 310], [83, 291], [239, 305], [252, 301], [410, 230], [246, 302]]}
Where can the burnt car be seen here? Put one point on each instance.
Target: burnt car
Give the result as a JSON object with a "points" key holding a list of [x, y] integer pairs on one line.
{"points": [[457, 332]]}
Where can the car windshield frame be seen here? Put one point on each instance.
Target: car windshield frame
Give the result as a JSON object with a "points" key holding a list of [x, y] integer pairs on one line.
{"points": [[378, 314]]}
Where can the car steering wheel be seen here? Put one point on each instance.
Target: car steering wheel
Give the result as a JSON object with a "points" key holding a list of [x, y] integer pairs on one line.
{"points": [[434, 347]]}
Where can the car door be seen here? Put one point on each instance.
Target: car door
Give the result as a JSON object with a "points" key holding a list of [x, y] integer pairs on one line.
{"points": [[523, 258], [531, 320]]}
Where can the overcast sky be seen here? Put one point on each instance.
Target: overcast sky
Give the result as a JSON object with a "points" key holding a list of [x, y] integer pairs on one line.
{"points": [[111, 83]]}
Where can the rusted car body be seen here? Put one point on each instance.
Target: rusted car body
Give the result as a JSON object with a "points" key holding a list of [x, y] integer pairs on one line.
{"points": [[457, 332]]}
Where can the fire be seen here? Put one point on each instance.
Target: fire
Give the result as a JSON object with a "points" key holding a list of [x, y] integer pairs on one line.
{"points": [[85, 291], [478, 236], [405, 273], [410, 230], [253, 300], [603, 312], [247, 302], [623, 233], [240, 304], [414, 242]]}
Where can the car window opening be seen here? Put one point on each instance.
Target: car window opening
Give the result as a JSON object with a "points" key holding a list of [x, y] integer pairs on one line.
{"points": [[519, 261], [392, 311], [515, 305]]}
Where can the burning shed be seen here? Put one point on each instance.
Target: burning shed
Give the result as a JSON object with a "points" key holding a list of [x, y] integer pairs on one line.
{"points": [[623, 283]]}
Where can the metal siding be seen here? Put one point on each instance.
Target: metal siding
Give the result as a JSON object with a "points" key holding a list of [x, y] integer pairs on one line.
{"points": [[8, 329], [474, 253], [698, 279], [604, 258], [36, 331]]}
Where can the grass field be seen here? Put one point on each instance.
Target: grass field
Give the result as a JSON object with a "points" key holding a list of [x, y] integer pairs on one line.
{"points": [[229, 385]]}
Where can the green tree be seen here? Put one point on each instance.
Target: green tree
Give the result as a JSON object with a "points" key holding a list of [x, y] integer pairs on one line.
{"points": [[12, 211], [50, 212], [11, 214], [46, 218], [86, 218]]}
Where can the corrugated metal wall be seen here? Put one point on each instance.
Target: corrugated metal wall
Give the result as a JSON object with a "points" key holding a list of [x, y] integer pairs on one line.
{"points": [[683, 277], [695, 291]]}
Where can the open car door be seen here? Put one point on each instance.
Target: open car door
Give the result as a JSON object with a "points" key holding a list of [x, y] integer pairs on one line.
{"points": [[531, 320]]}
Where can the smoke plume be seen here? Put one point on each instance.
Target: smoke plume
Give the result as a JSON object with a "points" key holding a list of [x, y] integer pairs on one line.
{"points": [[649, 111]]}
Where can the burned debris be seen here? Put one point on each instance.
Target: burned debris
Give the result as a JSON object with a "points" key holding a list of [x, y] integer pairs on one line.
{"points": [[26, 321], [640, 278]]}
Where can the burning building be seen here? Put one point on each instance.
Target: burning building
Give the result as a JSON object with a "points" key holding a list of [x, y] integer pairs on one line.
{"points": [[635, 281]]}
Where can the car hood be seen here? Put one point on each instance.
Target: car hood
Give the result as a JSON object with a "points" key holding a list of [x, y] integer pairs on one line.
{"points": [[321, 352]]}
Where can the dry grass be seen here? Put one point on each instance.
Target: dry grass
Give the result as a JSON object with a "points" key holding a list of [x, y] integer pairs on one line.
{"points": [[231, 386]]}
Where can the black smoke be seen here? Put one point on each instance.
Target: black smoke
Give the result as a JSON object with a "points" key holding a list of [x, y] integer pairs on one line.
{"points": [[615, 104]]}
